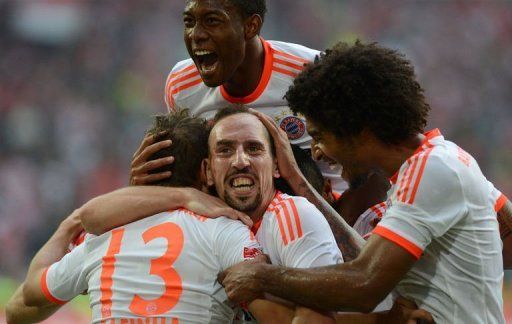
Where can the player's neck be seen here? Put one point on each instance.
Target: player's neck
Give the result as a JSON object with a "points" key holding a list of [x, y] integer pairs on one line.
{"points": [[258, 213], [393, 156], [248, 75]]}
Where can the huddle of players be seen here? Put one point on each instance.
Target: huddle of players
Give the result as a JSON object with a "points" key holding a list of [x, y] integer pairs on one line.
{"points": [[164, 267]]}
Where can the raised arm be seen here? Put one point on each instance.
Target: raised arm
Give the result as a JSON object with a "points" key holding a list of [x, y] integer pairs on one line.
{"points": [[505, 221], [51, 252], [130, 204], [349, 241]]}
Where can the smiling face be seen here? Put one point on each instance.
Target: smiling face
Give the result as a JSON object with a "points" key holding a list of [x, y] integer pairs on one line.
{"points": [[214, 35], [349, 153], [241, 164]]}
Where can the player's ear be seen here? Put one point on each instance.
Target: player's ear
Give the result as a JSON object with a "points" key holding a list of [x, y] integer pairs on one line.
{"points": [[206, 173], [275, 171], [252, 26]]}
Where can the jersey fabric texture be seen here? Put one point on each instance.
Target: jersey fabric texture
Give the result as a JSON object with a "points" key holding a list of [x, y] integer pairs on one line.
{"points": [[439, 210], [163, 268], [283, 62]]}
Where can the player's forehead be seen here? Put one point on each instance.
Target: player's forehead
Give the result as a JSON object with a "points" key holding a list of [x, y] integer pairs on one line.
{"points": [[239, 128], [201, 7]]}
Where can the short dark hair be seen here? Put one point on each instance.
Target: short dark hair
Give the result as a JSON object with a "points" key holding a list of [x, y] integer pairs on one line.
{"points": [[233, 110], [309, 169], [364, 86], [189, 137], [251, 7]]}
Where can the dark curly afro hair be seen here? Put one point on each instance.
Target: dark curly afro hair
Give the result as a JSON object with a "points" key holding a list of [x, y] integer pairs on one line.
{"points": [[365, 86]]}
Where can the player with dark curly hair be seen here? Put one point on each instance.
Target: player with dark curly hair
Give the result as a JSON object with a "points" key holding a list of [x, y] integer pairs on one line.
{"points": [[438, 243]]}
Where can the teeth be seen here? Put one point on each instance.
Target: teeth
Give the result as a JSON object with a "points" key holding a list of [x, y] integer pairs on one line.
{"points": [[199, 53], [239, 182]]}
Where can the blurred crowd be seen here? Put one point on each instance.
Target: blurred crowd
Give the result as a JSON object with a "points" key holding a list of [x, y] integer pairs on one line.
{"points": [[79, 81]]}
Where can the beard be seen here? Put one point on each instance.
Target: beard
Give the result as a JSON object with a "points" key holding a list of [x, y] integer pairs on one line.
{"points": [[243, 204]]}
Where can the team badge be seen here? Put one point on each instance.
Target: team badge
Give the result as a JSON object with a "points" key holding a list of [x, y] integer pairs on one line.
{"points": [[293, 126]]}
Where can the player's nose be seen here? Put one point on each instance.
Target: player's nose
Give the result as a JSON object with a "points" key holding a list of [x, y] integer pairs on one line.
{"points": [[241, 159]]}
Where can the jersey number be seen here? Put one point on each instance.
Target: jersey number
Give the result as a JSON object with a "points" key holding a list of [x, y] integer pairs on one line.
{"points": [[159, 267]]}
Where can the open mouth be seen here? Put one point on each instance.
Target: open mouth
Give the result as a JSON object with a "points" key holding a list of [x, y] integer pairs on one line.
{"points": [[242, 185], [206, 61]]}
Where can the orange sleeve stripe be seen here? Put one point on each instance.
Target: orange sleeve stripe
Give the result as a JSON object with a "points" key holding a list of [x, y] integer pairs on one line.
{"points": [[46, 292], [183, 78], [289, 64], [410, 247], [184, 70], [420, 175], [283, 71], [290, 56], [281, 227], [186, 86], [406, 180], [500, 202], [288, 220], [297, 218]]}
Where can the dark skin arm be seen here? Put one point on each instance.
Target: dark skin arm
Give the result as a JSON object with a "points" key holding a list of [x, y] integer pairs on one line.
{"points": [[349, 241], [141, 167], [358, 285], [505, 221]]}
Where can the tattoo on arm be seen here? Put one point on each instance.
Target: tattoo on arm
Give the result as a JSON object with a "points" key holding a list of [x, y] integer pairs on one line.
{"points": [[349, 241], [505, 220]]}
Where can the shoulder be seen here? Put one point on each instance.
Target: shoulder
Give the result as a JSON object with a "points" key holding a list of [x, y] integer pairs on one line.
{"points": [[294, 216], [293, 51], [184, 76]]}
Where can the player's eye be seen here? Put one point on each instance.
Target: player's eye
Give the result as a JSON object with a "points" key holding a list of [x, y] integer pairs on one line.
{"points": [[188, 22], [254, 149], [224, 150], [212, 21]]}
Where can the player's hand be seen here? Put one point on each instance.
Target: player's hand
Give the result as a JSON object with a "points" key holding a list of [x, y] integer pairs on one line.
{"points": [[71, 226], [140, 167], [406, 311], [212, 207], [285, 160], [240, 282]]}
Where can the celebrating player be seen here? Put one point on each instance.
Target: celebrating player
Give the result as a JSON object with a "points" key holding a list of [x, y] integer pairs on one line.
{"points": [[438, 242]]}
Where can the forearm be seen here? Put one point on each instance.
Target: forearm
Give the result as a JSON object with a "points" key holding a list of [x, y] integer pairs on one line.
{"points": [[505, 220], [349, 241], [335, 288], [128, 205], [18, 312]]}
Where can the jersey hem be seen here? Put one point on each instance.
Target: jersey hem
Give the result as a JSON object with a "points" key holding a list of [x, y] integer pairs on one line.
{"points": [[500, 202], [46, 292]]}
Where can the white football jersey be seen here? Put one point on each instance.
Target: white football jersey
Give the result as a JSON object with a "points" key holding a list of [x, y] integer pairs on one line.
{"points": [[439, 211], [161, 269], [283, 62]]}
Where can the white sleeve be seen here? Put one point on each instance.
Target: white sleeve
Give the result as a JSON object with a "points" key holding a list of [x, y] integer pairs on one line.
{"points": [[435, 208], [233, 242], [65, 279], [302, 237], [170, 84], [497, 198]]}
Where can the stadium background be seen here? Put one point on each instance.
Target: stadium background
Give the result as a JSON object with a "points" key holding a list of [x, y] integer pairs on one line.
{"points": [[78, 80]]}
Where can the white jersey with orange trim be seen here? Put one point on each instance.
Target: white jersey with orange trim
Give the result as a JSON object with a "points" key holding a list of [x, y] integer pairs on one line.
{"points": [[163, 268], [439, 211], [367, 221], [295, 234], [283, 62]]}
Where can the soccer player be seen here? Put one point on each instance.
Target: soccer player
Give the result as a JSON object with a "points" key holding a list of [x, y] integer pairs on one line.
{"points": [[164, 267], [438, 244], [229, 65]]}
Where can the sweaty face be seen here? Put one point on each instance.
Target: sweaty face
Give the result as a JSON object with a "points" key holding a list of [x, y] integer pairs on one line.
{"points": [[326, 146], [241, 165], [214, 37]]}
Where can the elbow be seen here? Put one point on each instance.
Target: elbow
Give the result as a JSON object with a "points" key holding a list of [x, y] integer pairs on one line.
{"points": [[90, 222], [29, 297]]}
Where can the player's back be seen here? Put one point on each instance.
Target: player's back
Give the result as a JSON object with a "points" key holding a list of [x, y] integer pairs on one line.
{"points": [[164, 267]]}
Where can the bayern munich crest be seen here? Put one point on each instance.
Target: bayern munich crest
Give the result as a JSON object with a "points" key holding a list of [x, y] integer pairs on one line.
{"points": [[293, 126]]}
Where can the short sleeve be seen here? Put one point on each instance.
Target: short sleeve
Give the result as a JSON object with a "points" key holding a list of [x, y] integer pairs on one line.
{"points": [[302, 236], [179, 75], [435, 205], [497, 198], [65, 279], [233, 242]]}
